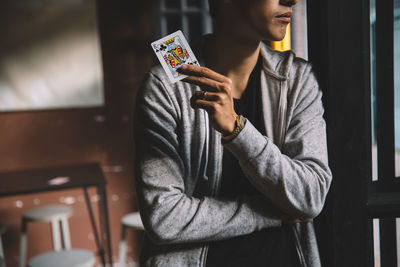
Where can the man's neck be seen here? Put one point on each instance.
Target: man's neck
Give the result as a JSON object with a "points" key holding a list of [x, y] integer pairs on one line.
{"points": [[234, 58]]}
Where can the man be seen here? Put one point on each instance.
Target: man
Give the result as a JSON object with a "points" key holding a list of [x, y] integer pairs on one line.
{"points": [[231, 162]]}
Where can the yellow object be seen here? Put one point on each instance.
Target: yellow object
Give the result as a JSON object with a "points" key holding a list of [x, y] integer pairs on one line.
{"points": [[283, 45]]}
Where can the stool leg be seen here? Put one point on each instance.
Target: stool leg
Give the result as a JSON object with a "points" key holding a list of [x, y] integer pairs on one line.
{"points": [[2, 253], [55, 233], [122, 247], [23, 244], [65, 233]]}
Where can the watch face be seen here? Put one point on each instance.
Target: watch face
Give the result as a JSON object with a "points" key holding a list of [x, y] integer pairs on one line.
{"points": [[241, 121], [238, 128], [237, 120]]}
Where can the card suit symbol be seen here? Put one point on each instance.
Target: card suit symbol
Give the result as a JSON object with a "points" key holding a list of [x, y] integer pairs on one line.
{"points": [[163, 47], [156, 48]]}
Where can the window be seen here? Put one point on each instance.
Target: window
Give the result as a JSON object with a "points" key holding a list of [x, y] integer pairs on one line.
{"points": [[385, 107], [397, 82], [190, 16], [396, 66], [360, 221], [299, 30]]}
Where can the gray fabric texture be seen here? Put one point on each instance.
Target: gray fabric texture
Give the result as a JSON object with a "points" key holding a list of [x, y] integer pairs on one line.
{"points": [[179, 156]]}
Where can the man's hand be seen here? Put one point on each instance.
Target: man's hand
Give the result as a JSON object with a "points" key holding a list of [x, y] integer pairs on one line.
{"points": [[215, 96]]}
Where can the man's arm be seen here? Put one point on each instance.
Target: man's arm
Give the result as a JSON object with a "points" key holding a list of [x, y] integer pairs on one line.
{"points": [[295, 179], [169, 215]]}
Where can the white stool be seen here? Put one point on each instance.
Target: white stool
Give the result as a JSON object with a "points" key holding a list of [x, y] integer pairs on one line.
{"points": [[131, 220], [2, 260], [55, 214], [65, 258]]}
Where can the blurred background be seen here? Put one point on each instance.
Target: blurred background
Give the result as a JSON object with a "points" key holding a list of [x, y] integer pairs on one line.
{"points": [[69, 72]]}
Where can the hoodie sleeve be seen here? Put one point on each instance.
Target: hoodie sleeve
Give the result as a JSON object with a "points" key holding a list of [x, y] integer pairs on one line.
{"points": [[168, 213], [297, 178]]}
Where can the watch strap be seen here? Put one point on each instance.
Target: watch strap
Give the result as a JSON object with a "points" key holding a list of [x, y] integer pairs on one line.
{"points": [[239, 125]]}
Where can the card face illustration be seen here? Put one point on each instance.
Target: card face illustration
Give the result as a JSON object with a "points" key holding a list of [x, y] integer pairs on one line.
{"points": [[173, 51]]}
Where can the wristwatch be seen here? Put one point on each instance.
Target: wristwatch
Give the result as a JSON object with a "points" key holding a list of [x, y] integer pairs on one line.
{"points": [[239, 125]]}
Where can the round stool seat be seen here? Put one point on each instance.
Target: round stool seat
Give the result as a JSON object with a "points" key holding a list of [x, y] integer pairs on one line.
{"points": [[133, 220], [48, 213], [65, 258]]}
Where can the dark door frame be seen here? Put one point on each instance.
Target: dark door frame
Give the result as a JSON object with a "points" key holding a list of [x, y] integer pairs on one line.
{"points": [[339, 48]]}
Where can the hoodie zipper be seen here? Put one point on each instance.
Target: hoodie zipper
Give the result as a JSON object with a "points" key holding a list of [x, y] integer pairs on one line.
{"points": [[282, 132], [282, 118], [205, 255], [282, 112], [206, 143], [298, 247], [218, 160]]}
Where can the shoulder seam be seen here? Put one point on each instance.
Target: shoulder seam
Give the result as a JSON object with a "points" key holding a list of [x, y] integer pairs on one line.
{"points": [[167, 93]]}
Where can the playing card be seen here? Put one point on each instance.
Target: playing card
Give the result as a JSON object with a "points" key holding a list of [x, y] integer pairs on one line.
{"points": [[173, 51]]}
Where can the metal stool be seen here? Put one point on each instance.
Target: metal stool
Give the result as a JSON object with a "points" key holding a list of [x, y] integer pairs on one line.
{"points": [[65, 258], [2, 259], [55, 214], [131, 220]]}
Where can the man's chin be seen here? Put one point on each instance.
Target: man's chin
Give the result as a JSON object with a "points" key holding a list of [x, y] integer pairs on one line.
{"points": [[275, 36]]}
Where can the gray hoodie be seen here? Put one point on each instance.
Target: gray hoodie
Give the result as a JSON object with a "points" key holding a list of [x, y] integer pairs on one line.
{"points": [[179, 156]]}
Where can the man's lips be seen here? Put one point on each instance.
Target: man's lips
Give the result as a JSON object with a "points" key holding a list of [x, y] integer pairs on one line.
{"points": [[285, 17]]}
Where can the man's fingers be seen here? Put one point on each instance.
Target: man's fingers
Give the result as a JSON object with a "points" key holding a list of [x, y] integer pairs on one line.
{"points": [[207, 79], [206, 84], [208, 106], [194, 70], [208, 96]]}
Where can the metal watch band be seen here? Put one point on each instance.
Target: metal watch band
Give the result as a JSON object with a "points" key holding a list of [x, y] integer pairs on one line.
{"points": [[238, 128]]}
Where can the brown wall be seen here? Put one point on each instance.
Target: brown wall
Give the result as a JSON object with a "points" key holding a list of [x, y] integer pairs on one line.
{"points": [[47, 138]]}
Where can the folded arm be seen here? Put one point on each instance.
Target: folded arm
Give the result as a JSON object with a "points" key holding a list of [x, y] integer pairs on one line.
{"points": [[297, 178], [168, 213]]}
